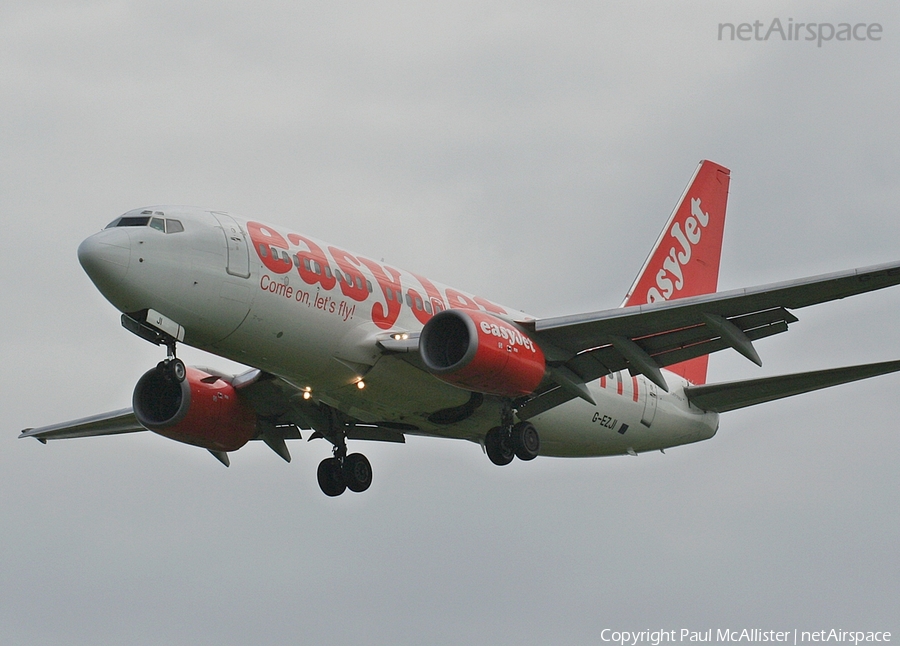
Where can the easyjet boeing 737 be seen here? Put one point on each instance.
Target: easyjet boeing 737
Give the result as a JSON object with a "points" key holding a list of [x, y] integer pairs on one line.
{"points": [[347, 348]]}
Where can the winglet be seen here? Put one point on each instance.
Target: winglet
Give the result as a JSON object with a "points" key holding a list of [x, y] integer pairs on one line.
{"points": [[685, 260]]}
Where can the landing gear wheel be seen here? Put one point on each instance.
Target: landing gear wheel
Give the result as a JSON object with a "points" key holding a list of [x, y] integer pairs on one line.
{"points": [[173, 369], [357, 472], [526, 441], [177, 370], [498, 446], [331, 479]]}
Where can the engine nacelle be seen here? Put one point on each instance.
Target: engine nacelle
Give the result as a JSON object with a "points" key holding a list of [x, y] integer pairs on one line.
{"points": [[202, 410], [480, 352]]}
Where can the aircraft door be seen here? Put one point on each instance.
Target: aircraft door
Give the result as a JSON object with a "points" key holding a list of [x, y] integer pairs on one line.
{"points": [[238, 262], [651, 398]]}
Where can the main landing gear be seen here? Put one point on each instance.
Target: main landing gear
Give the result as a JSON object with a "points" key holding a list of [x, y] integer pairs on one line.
{"points": [[503, 443], [342, 472]]}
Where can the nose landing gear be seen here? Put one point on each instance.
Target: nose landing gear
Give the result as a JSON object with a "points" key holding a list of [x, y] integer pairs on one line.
{"points": [[173, 369]]}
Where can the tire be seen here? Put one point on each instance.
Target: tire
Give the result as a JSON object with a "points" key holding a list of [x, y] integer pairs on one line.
{"points": [[331, 480], [498, 446], [177, 370], [357, 472], [526, 441]]}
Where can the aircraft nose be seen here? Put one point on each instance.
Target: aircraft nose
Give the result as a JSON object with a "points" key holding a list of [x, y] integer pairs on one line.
{"points": [[105, 257]]}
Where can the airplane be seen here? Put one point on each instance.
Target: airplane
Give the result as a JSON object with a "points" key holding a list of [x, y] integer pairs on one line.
{"points": [[347, 348]]}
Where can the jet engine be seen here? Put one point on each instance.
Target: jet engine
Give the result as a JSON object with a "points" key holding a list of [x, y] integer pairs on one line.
{"points": [[200, 409], [480, 352]]}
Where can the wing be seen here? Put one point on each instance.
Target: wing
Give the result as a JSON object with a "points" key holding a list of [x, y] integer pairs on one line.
{"points": [[645, 338], [280, 408], [113, 423]]}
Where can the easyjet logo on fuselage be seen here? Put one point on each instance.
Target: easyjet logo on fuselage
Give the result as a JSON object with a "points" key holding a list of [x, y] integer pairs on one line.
{"points": [[671, 276], [329, 267]]}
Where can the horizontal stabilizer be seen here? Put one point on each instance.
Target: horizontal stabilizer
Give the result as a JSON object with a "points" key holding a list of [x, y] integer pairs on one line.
{"points": [[732, 395]]}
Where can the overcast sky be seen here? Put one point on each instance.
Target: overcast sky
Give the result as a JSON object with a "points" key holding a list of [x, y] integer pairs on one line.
{"points": [[528, 152]]}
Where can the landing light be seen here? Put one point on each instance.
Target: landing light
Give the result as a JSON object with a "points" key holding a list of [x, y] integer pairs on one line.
{"points": [[360, 384], [307, 392], [400, 336]]}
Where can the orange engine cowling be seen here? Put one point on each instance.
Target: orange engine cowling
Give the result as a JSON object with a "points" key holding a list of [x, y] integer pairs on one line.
{"points": [[202, 410], [480, 352]]}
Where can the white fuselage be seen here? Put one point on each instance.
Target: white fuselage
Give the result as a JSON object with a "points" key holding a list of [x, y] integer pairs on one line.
{"points": [[312, 314]]}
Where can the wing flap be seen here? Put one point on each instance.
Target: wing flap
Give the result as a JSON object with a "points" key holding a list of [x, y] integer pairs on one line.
{"points": [[710, 345], [721, 398], [679, 345], [545, 401]]}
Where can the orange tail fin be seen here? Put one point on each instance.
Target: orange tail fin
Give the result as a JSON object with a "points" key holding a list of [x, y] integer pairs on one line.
{"points": [[685, 260]]}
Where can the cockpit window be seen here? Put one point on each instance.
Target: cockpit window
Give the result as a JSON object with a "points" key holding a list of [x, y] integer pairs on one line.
{"points": [[130, 221], [161, 224]]}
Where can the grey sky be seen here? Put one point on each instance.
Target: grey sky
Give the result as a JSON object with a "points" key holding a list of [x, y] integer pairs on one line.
{"points": [[528, 152]]}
